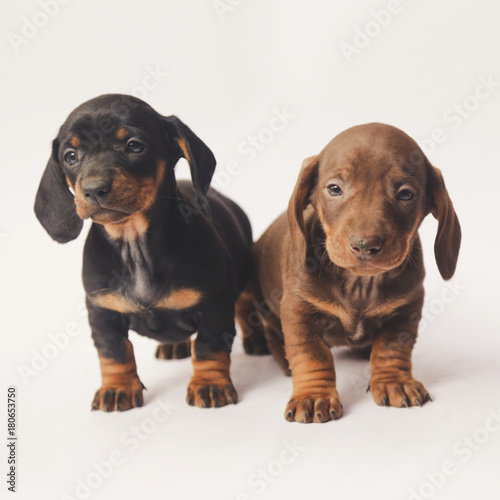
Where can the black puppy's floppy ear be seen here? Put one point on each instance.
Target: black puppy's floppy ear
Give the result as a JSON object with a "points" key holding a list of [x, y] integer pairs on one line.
{"points": [[449, 234], [298, 203], [54, 203], [201, 160]]}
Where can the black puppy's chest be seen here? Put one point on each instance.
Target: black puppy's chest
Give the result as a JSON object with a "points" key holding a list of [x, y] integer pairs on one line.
{"points": [[166, 326], [147, 289], [137, 281]]}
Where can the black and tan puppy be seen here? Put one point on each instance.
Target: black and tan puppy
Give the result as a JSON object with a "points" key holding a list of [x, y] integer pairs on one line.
{"points": [[164, 258], [344, 267]]}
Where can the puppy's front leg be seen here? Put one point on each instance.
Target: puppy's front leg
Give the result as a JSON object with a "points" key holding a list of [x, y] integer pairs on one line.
{"points": [[121, 388], [315, 397], [211, 384], [392, 382]]}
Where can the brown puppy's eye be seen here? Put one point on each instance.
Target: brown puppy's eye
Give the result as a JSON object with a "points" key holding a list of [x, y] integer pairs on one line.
{"points": [[404, 195], [334, 190], [134, 147], [70, 158]]}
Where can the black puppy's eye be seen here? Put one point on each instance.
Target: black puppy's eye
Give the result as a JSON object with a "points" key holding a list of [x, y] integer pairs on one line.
{"points": [[70, 158], [334, 190], [134, 147], [404, 195]]}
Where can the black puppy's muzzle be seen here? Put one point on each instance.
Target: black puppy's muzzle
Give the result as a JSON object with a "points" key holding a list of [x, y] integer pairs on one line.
{"points": [[96, 190]]}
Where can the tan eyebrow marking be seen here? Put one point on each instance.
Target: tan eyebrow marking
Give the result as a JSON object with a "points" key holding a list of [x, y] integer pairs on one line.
{"points": [[121, 133], [75, 141]]}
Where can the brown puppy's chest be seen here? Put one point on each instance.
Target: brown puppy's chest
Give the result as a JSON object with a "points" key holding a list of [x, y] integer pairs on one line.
{"points": [[359, 333], [355, 311]]}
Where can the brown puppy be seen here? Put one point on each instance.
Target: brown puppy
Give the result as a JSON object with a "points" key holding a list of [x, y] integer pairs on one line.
{"points": [[344, 267]]}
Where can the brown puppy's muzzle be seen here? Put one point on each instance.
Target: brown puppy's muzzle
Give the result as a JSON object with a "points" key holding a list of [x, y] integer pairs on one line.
{"points": [[366, 234], [365, 247]]}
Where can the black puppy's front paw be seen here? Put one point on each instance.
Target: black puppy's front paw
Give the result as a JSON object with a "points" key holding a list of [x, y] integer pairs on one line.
{"points": [[120, 397], [210, 395]]}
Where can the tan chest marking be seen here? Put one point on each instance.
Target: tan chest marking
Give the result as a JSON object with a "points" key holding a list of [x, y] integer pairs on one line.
{"points": [[180, 299], [115, 302], [386, 308], [345, 317], [176, 300]]}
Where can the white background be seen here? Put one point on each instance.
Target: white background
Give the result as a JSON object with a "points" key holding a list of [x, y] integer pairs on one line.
{"points": [[225, 75]]}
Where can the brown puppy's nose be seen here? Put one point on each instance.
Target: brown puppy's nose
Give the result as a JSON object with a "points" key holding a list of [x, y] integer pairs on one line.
{"points": [[96, 190], [365, 247]]}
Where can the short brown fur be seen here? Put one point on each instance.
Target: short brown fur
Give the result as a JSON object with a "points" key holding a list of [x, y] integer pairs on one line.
{"points": [[322, 283]]}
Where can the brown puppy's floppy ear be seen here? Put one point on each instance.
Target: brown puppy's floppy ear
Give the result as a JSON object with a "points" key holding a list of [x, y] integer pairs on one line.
{"points": [[449, 235], [298, 202], [201, 160], [54, 203]]}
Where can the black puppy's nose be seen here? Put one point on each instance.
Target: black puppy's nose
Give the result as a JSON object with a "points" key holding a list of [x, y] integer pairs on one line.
{"points": [[96, 190], [365, 247]]}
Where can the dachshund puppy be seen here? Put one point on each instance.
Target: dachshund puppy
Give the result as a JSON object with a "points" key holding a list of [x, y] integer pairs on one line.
{"points": [[166, 259], [344, 267]]}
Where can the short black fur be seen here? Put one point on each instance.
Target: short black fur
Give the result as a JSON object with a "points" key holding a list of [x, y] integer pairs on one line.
{"points": [[196, 239]]}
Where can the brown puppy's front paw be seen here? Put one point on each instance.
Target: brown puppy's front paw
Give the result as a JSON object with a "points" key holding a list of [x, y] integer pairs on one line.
{"points": [[400, 393], [119, 398], [180, 350], [207, 395], [314, 408]]}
